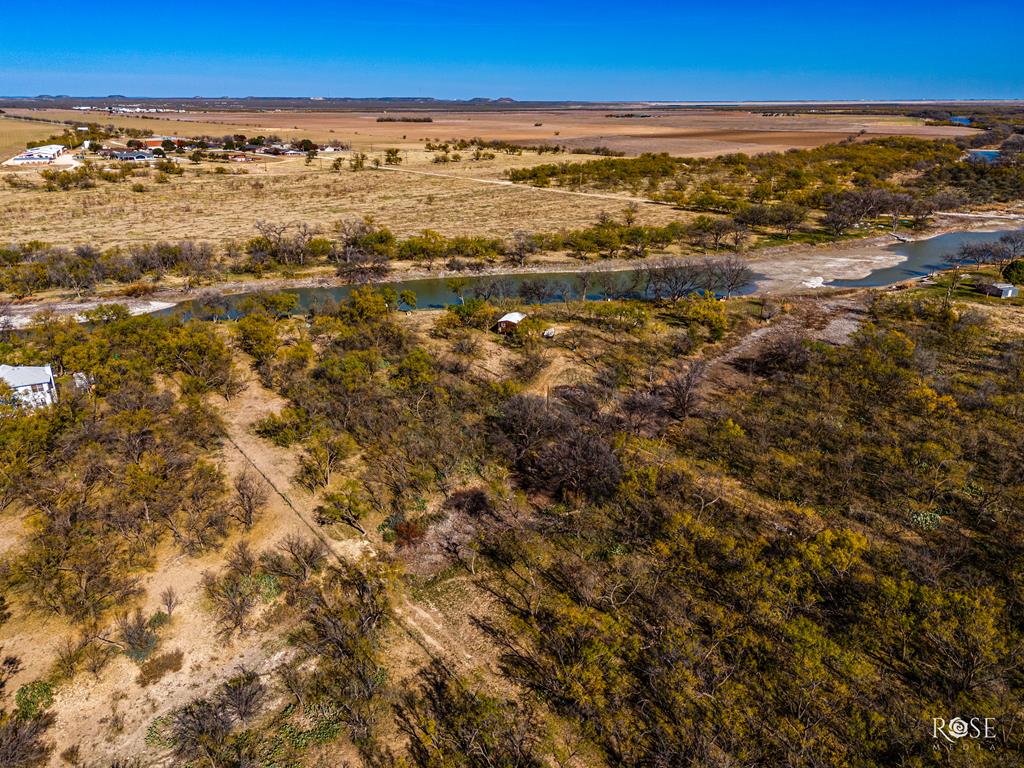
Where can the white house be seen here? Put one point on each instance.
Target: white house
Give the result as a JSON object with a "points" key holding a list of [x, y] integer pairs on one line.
{"points": [[32, 385]]}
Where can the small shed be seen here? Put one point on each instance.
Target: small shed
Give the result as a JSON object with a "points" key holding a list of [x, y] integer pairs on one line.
{"points": [[508, 323], [1000, 290], [32, 385]]}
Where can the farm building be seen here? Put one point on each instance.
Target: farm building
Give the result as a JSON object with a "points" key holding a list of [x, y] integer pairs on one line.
{"points": [[509, 322], [31, 385], [1000, 290], [152, 142], [39, 155]]}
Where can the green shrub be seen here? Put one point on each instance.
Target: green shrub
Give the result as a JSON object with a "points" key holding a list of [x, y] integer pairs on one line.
{"points": [[34, 698], [1014, 272]]}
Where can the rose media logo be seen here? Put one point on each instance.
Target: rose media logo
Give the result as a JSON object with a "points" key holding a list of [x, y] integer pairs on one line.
{"points": [[958, 728]]}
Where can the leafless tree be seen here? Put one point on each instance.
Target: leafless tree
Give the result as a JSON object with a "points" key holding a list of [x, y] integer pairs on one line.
{"points": [[787, 216], [718, 229], [680, 391], [251, 494], [739, 233], [584, 281], [968, 253], [243, 695], [675, 279], [294, 681], [730, 274], [295, 561], [639, 407], [1014, 243], [6, 321], [9, 667], [135, 633], [363, 268], [616, 284], [198, 729], [21, 741], [169, 600], [523, 245], [578, 462], [241, 560], [897, 206], [537, 291], [232, 600], [488, 288]]}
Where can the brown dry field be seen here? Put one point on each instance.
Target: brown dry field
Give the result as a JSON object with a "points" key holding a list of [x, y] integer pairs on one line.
{"points": [[14, 134], [220, 208], [225, 207], [699, 132]]}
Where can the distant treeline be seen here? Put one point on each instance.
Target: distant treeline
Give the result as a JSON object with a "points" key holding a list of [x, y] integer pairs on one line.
{"points": [[496, 145], [390, 119], [921, 172]]}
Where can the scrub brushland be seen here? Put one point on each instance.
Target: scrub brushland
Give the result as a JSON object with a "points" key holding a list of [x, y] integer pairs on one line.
{"points": [[374, 534], [528, 529]]}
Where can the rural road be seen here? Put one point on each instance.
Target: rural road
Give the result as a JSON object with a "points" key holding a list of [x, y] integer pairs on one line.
{"points": [[505, 183]]}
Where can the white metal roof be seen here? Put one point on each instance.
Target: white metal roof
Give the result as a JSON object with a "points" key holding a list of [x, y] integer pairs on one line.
{"points": [[512, 317], [46, 149], [25, 375]]}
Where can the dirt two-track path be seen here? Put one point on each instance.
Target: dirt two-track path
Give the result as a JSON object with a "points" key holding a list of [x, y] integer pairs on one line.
{"points": [[407, 616]]}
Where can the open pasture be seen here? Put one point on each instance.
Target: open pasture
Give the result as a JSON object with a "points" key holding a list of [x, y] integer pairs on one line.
{"points": [[695, 132]]}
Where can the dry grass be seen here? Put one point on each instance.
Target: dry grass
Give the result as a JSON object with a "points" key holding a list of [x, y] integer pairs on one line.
{"points": [[695, 132], [219, 208], [14, 134], [226, 207], [155, 668]]}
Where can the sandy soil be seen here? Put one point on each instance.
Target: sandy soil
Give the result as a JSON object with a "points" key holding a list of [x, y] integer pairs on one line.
{"points": [[86, 709], [799, 269]]}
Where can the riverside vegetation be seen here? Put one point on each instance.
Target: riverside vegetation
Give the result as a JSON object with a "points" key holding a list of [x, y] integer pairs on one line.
{"points": [[733, 202], [664, 568]]}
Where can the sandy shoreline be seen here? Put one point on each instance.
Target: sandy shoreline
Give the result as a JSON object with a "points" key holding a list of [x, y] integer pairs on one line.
{"points": [[782, 270]]}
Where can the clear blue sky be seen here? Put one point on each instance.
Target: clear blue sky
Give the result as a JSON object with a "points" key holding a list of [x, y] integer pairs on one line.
{"points": [[647, 49]]}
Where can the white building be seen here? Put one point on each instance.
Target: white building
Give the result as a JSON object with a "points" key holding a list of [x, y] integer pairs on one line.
{"points": [[32, 385], [39, 155], [1000, 290], [507, 323]]}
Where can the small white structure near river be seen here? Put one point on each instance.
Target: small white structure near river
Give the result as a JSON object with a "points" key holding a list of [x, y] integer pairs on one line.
{"points": [[31, 385], [508, 323]]}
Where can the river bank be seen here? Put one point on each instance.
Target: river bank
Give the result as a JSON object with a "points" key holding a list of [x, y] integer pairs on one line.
{"points": [[780, 270]]}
